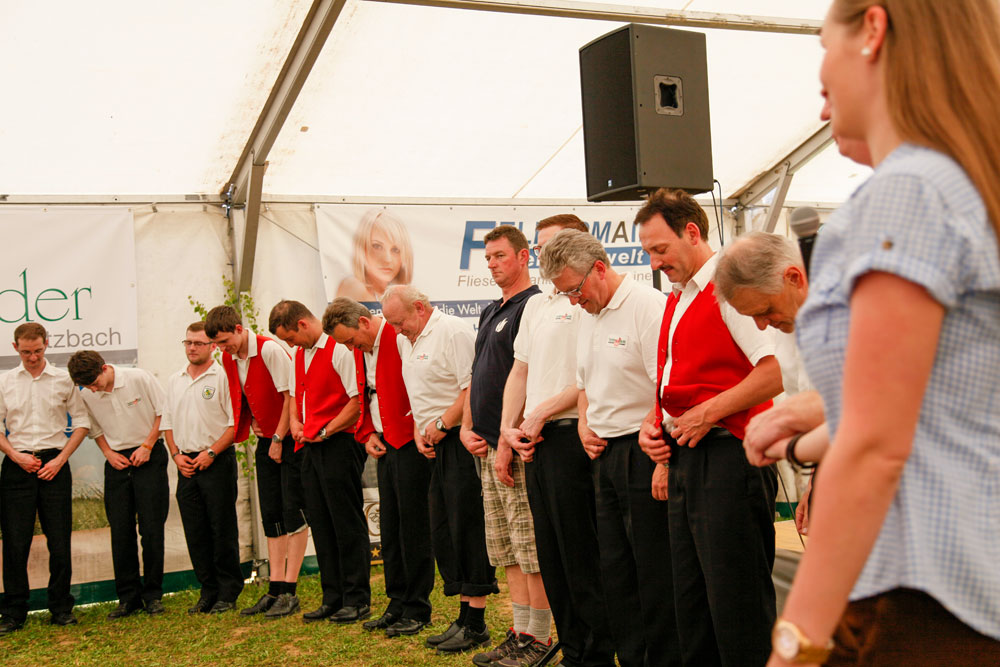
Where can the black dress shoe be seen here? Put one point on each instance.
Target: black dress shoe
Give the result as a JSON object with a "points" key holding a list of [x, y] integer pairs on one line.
{"points": [[125, 609], [323, 611], [465, 639], [9, 624], [380, 623], [405, 626], [351, 614], [265, 602], [202, 606], [286, 605], [63, 618], [434, 640], [222, 607], [154, 607]]}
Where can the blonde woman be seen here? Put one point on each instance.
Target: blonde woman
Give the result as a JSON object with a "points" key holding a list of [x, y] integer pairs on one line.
{"points": [[901, 336], [383, 256]]}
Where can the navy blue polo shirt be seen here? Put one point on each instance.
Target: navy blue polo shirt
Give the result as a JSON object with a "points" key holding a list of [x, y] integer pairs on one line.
{"points": [[498, 325]]}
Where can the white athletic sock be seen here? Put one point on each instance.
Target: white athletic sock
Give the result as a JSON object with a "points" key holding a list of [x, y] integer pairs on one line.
{"points": [[522, 617], [539, 624]]}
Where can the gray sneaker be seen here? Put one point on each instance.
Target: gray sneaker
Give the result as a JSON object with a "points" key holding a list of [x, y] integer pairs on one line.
{"points": [[285, 605], [529, 653], [500, 651]]}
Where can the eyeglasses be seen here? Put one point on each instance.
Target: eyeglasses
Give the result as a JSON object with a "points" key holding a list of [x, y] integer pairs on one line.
{"points": [[537, 249], [576, 292], [194, 343]]}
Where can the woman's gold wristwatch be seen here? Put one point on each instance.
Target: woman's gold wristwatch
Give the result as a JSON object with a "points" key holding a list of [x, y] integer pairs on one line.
{"points": [[792, 645]]}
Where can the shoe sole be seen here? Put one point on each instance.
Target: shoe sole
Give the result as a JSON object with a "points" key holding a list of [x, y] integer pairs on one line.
{"points": [[453, 651]]}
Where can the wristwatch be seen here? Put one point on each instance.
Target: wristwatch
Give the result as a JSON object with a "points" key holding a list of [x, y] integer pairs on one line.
{"points": [[211, 453], [439, 425], [276, 438], [792, 645], [322, 434]]}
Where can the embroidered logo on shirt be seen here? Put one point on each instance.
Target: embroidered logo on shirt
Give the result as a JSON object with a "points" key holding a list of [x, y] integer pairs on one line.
{"points": [[617, 342], [564, 317], [502, 324], [207, 393], [133, 403], [423, 356]]}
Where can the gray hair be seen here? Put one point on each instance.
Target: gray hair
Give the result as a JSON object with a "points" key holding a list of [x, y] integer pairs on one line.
{"points": [[756, 260], [571, 249], [407, 295], [345, 312]]}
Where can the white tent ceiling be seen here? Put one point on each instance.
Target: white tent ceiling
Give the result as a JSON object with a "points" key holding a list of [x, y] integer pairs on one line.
{"points": [[115, 97]]}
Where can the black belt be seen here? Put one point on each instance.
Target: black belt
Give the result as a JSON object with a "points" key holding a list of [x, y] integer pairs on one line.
{"points": [[562, 423], [44, 454]]}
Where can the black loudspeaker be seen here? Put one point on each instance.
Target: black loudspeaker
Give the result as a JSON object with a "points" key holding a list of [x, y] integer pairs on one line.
{"points": [[645, 113]]}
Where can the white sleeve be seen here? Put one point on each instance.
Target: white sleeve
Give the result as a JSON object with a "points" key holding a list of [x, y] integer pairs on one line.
{"points": [[278, 364], [224, 396], [461, 351], [522, 341], [166, 419], [75, 407], [154, 390], [584, 339], [649, 321], [756, 344], [343, 363], [95, 426]]}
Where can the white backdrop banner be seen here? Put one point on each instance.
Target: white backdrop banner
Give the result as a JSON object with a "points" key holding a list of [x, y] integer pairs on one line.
{"points": [[440, 249], [72, 270]]}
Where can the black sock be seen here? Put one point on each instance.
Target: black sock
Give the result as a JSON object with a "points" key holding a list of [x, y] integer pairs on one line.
{"points": [[290, 587], [274, 588], [463, 613], [474, 619]]}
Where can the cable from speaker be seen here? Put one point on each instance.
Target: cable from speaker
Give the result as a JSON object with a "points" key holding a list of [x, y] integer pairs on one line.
{"points": [[718, 207]]}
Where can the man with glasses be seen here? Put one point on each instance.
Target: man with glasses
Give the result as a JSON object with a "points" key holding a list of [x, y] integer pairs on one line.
{"points": [[542, 384], [616, 376], [198, 427]]}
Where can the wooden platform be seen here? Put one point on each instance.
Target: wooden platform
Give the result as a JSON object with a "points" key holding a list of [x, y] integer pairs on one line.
{"points": [[785, 536]]}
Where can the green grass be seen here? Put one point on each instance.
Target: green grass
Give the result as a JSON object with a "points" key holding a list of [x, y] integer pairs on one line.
{"points": [[176, 639], [88, 513]]}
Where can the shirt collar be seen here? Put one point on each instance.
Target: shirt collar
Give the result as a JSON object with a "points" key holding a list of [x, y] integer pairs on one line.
{"points": [[119, 378], [436, 315], [47, 369], [704, 275], [378, 336], [618, 298], [251, 345], [321, 341]]}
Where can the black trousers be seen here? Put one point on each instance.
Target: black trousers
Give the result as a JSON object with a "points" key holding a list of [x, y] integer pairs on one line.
{"points": [[458, 524], [331, 477], [279, 487], [635, 556], [404, 477], [138, 496], [722, 544], [22, 495], [207, 502], [561, 495]]}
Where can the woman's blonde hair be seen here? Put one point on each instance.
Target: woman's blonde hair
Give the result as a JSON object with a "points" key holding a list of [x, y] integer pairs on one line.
{"points": [[943, 80], [380, 218]]}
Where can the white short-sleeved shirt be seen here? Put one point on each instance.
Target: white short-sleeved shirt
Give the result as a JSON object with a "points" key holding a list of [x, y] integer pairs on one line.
{"points": [[198, 411], [616, 359], [125, 415], [371, 358], [276, 360], [342, 361], [34, 409], [754, 343], [437, 366], [546, 341]]}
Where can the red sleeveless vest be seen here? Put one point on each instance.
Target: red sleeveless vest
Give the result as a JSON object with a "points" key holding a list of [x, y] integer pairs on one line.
{"points": [[706, 360], [393, 402], [327, 396], [257, 399]]}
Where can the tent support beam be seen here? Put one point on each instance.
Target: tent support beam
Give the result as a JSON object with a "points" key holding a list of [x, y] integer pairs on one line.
{"points": [[249, 251], [625, 14], [774, 212], [308, 44], [754, 191]]}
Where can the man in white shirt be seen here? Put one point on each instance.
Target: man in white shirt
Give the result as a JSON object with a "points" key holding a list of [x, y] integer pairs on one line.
{"points": [[198, 427], [616, 375], [436, 352], [260, 374], [716, 369], [323, 418], [124, 406], [35, 478], [558, 473]]}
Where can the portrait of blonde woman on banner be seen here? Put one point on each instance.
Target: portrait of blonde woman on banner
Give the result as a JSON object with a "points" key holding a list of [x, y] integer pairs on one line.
{"points": [[383, 256]]}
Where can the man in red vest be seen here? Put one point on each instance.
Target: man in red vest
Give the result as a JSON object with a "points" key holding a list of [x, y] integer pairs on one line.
{"points": [[260, 375], [404, 473], [322, 421], [716, 370]]}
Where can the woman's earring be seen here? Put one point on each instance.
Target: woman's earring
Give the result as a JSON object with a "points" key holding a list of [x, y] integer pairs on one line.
{"points": [[866, 51]]}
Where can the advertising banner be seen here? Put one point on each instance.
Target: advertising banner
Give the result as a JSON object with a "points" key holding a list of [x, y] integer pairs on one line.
{"points": [[72, 270], [440, 249]]}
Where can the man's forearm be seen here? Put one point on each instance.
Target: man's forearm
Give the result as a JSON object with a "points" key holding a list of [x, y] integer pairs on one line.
{"points": [[467, 411], [74, 441], [345, 418], [560, 402], [154, 433], [453, 416], [513, 395], [761, 384], [224, 442], [283, 421]]}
